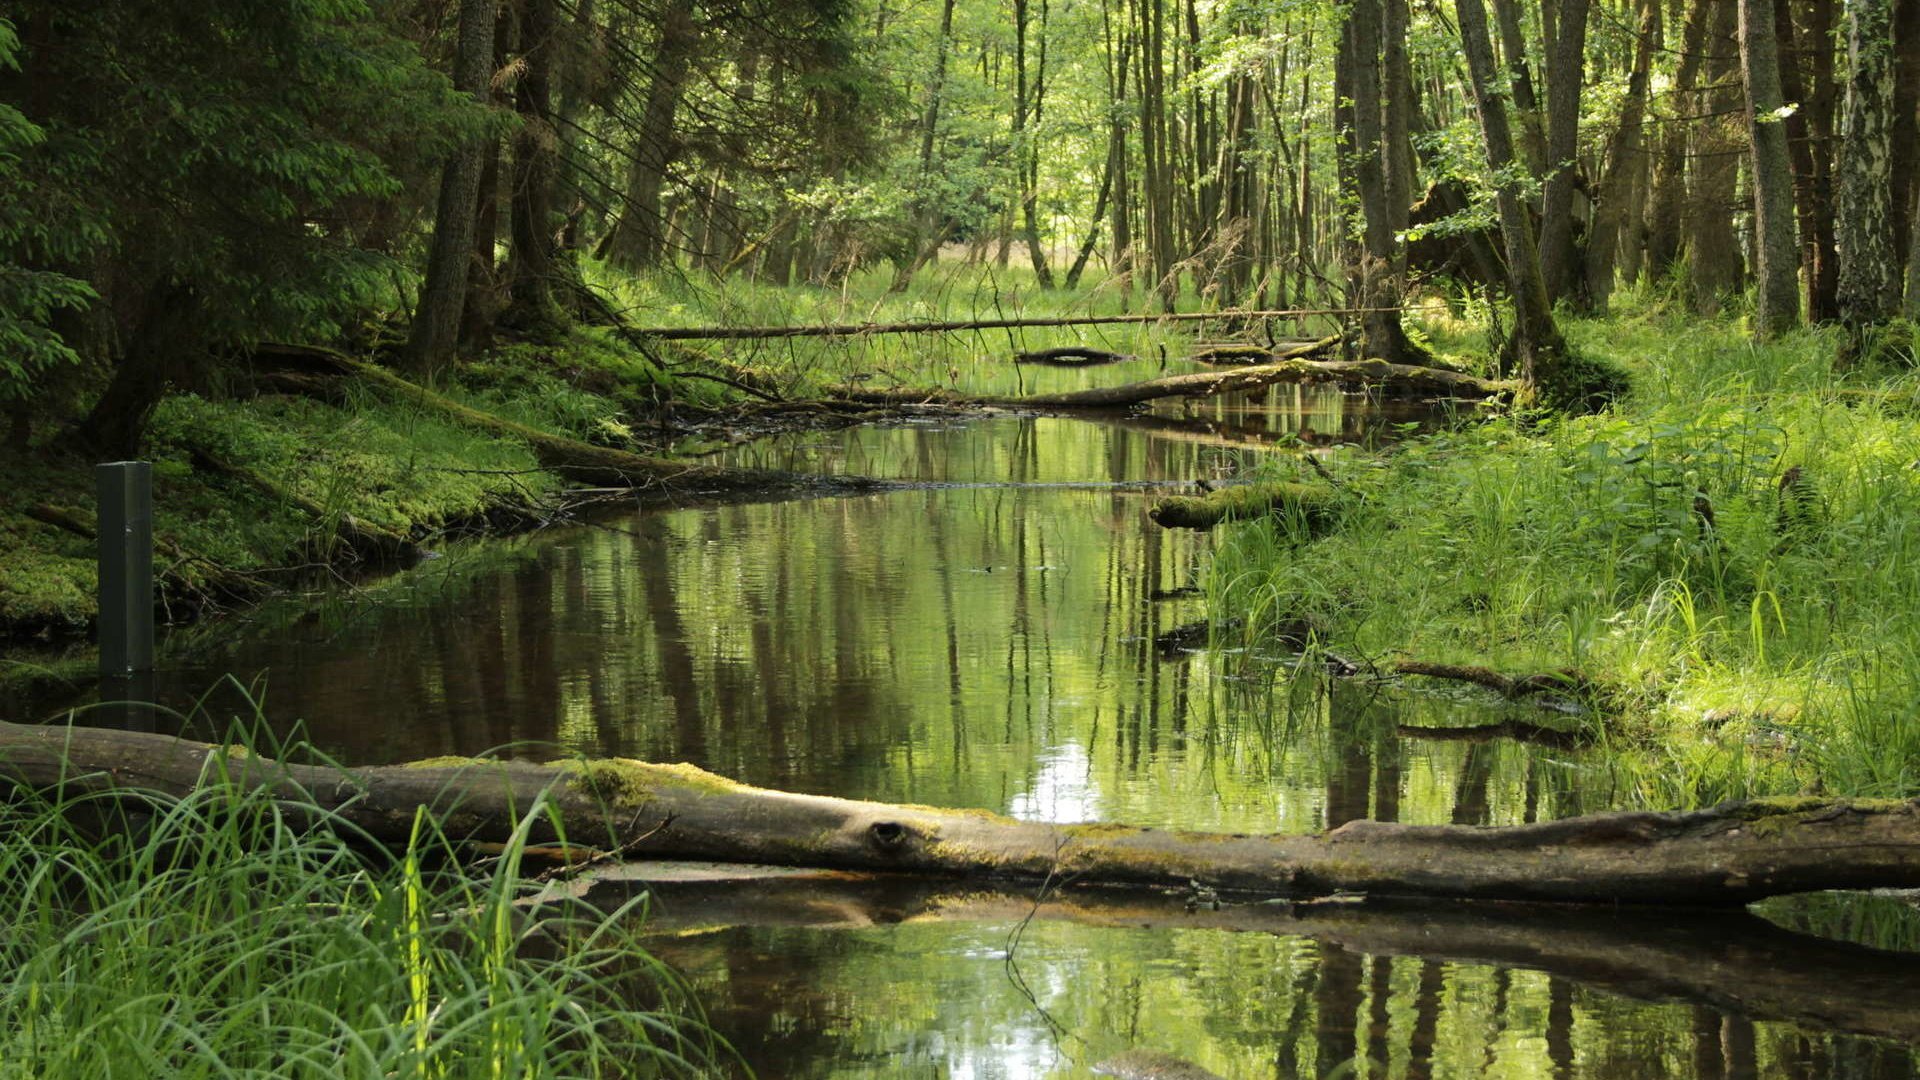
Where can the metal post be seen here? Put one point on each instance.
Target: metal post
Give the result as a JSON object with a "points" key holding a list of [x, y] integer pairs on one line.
{"points": [[126, 567]]}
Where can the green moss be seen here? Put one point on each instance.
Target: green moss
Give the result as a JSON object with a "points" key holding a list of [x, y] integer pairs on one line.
{"points": [[449, 761], [624, 782]]}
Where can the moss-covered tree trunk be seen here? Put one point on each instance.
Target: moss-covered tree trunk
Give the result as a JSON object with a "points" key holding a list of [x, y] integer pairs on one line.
{"points": [[1728, 855]]}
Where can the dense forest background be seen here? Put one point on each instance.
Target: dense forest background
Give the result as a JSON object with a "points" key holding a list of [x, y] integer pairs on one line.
{"points": [[421, 177]]}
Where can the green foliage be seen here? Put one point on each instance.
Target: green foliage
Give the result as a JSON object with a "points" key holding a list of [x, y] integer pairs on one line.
{"points": [[237, 931], [208, 174], [1767, 637]]}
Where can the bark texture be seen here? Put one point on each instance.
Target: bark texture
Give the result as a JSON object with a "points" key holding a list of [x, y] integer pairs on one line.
{"points": [[1870, 270], [1731, 854], [1776, 247]]}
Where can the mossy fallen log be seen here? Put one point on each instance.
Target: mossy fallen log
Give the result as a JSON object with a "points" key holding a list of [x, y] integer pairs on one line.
{"points": [[1725, 960], [1398, 379], [1315, 506], [580, 462], [1730, 854]]}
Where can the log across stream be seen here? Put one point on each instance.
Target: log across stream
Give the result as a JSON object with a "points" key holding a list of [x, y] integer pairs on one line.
{"points": [[1725, 855]]}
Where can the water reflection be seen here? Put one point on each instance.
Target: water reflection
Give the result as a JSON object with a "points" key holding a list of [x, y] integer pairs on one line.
{"points": [[994, 646]]}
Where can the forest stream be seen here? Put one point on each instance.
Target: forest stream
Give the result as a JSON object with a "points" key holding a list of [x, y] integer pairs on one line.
{"points": [[1009, 638]]}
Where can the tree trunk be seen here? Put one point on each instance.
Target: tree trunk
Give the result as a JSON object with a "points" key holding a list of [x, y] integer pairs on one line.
{"points": [[1382, 335], [1732, 854], [639, 239], [1028, 98], [163, 350], [921, 241], [1317, 507], [1821, 97], [1625, 161], [1776, 248], [1713, 248], [1284, 368], [1396, 143], [531, 304], [1906, 119], [1566, 71], [1535, 346], [436, 321], [1665, 217], [1526, 103], [1870, 271]]}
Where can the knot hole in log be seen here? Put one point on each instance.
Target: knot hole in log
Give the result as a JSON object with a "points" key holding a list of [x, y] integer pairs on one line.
{"points": [[888, 835]]}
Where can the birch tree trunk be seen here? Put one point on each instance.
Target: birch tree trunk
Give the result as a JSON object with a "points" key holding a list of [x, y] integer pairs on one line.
{"points": [[1870, 271]]}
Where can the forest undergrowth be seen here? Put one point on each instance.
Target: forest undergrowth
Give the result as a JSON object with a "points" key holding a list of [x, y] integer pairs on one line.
{"points": [[1731, 553]]}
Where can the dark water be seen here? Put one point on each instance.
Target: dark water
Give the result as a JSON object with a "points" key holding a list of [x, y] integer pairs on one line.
{"points": [[992, 644]]}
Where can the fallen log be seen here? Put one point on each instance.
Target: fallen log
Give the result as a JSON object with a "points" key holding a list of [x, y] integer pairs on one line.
{"points": [[760, 333], [1396, 378], [1730, 854], [1071, 356], [597, 466], [1237, 353], [1729, 961], [1317, 507]]}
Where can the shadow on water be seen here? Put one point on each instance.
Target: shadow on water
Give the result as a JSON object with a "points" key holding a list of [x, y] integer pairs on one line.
{"points": [[986, 645]]}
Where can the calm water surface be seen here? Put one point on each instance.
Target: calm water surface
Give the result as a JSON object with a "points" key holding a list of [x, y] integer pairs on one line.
{"points": [[992, 643]]}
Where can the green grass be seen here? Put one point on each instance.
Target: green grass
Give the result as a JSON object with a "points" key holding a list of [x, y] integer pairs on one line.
{"points": [[1776, 650], [217, 935]]}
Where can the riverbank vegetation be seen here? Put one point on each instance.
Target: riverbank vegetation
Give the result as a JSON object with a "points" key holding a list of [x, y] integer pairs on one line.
{"points": [[1722, 562], [219, 934]]}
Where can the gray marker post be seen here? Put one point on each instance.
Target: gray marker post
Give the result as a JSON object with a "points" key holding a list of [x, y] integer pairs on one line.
{"points": [[126, 580]]}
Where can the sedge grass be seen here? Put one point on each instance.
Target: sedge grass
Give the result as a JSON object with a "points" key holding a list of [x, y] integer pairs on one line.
{"points": [[222, 934]]}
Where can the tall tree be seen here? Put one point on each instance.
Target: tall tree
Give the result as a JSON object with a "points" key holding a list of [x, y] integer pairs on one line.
{"points": [[639, 238], [1361, 62], [532, 306], [436, 320], [1620, 185], [1870, 270], [1776, 247], [1715, 266], [1535, 347], [1566, 72], [1029, 97], [223, 155]]}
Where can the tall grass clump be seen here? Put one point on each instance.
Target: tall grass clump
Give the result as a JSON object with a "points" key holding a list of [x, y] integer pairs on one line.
{"points": [[1735, 548], [231, 932]]}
